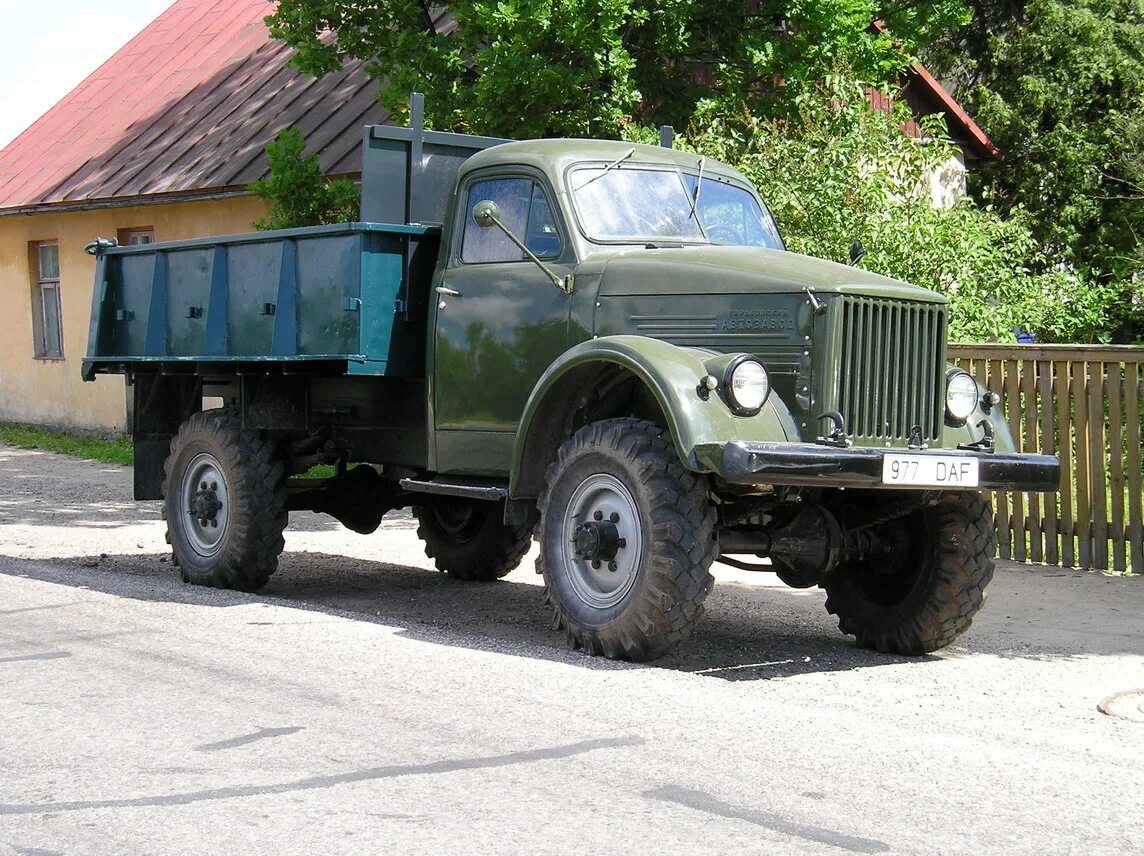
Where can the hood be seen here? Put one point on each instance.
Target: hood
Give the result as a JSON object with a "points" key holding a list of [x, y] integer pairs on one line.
{"points": [[739, 270]]}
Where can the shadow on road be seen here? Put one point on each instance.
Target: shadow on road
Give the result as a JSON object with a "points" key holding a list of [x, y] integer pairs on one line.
{"points": [[749, 632]]}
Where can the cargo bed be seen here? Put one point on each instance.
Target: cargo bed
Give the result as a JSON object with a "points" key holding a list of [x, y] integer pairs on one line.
{"points": [[351, 296]]}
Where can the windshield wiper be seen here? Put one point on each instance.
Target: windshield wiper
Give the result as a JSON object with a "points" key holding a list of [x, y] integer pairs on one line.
{"points": [[605, 170], [698, 187]]}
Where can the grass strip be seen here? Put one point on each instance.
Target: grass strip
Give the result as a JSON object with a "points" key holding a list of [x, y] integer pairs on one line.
{"points": [[113, 451]]}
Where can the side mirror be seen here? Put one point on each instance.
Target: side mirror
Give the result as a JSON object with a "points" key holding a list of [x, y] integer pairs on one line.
{"points": [[856, 250], [486, 213]]}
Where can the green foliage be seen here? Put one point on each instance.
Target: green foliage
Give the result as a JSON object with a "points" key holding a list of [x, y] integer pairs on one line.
{"points": [[534, 68], [299, 194], [841, 171], [117, 450], [1059, 86]]}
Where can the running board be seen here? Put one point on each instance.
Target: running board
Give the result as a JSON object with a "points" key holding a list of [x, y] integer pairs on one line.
{"points": [[491, 493]]}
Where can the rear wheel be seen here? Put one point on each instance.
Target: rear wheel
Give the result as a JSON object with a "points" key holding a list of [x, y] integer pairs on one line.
{"points": [[626, 542], [224, 502], [928, 582], [468, 539]]}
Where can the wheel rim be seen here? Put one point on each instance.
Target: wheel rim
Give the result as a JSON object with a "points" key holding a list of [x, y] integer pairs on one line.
{"points": [[601, 541], [204, 504]]}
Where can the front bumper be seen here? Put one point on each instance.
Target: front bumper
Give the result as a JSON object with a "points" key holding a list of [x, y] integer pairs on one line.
{"points": [[811, 465]]}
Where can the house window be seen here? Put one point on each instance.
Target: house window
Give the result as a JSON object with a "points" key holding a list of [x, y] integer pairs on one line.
{"points": [[136, 236], [46, 328]]}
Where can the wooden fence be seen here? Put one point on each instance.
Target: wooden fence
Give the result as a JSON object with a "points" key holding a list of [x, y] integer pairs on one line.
{"points": [[1082, 403]]}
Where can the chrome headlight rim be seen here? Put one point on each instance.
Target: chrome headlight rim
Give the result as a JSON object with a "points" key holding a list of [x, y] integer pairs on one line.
{"points": [[728, 389], [968, 397]]}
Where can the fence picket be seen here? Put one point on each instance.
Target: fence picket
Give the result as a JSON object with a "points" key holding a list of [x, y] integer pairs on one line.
{"points": [[1018, 523], [1132, 444], [1097, 456], [1048, 446], [1114, 393], [1065, 450], [1079, 395], [1029, 410]]}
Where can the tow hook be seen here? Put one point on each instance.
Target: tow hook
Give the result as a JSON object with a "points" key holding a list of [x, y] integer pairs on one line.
{"points": [[985, 444], [837, 437]]}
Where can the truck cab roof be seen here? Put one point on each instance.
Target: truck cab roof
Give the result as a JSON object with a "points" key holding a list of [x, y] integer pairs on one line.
{"points": [[554, 156]]}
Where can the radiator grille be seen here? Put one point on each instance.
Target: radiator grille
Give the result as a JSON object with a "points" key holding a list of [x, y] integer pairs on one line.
{"points": [[891, 368]]}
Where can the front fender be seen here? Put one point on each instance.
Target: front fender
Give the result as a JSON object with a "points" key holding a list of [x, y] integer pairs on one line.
{"points": [[699, 428]]}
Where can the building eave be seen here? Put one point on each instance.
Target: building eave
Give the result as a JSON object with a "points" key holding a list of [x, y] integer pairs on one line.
{"points": [[212, 194]]}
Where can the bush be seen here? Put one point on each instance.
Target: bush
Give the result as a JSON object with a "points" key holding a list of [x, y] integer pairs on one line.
{"points": [[298, 193]]}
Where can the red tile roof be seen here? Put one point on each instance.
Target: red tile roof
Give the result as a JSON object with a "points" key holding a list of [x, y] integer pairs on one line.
{"points": [[185, 108]]}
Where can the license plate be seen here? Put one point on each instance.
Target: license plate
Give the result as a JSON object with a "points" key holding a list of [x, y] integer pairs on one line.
{"points": [[930, 470]]}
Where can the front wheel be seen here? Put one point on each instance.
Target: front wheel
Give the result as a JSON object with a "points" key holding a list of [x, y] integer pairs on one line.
{"points": [[927, 583], [626, 541], [224, 502]]}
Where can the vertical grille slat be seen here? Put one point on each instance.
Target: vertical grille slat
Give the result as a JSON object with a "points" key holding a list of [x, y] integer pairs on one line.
{"points": [[892, 364], [886, 349]]}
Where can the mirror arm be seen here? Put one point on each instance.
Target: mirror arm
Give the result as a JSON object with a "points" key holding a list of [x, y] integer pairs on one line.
{"points": [[564, 283]]}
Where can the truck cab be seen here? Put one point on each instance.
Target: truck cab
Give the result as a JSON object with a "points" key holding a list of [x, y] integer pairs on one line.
{"points": [[602, 345]]}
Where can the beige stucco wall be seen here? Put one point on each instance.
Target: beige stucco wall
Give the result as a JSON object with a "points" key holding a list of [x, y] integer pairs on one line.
{"points": [[50, 392]]}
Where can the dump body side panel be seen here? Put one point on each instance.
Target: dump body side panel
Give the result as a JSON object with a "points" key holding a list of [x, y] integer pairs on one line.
{"points": [[324, 293]]}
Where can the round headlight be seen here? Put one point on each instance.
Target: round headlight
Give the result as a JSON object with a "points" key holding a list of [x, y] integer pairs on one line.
{"points": [[961, 396], [747, 385]]}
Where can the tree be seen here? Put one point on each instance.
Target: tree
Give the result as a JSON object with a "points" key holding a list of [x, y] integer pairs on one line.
{"points": [[841, 171], [299, 194], [1059, 86], [531, 68]]}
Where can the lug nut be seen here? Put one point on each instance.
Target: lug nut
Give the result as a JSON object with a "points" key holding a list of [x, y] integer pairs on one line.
{"points": [[595, 564], [599, 515], [623, 542], [214, 523], [615, 517], [611, 566], [203, 486], [214, 485]]}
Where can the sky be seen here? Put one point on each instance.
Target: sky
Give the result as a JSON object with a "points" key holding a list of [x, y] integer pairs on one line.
{"points": [[48, 46]]}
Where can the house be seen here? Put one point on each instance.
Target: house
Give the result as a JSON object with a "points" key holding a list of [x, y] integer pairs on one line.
{"points": [[925, 96], [157, 144]]}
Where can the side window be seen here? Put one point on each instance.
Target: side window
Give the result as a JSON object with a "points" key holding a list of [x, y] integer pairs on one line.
{"points": [[524, 210]]}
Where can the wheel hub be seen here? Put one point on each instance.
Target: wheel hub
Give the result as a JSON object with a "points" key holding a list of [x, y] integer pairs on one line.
{"points": [[205, 504], [599, 540]]}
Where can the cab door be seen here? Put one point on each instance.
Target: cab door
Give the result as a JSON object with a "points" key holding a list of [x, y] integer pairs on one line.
{"points": [[499, 322]]}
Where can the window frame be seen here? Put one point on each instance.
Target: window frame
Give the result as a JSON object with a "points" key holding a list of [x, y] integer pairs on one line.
{"points": [[40, 315], [124, 236], [462, 219]]}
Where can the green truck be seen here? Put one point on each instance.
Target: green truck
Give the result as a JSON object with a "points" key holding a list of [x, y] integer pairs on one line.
{"points": [[601, 345]]}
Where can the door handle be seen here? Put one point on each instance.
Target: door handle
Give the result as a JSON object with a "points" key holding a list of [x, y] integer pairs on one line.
{"points": [[448, 292]]}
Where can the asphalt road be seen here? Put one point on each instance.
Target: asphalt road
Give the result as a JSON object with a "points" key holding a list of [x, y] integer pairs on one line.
{"points": [[365, 704]]}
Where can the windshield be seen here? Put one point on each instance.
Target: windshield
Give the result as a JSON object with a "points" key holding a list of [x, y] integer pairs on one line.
{"points": [[638, 204]]}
